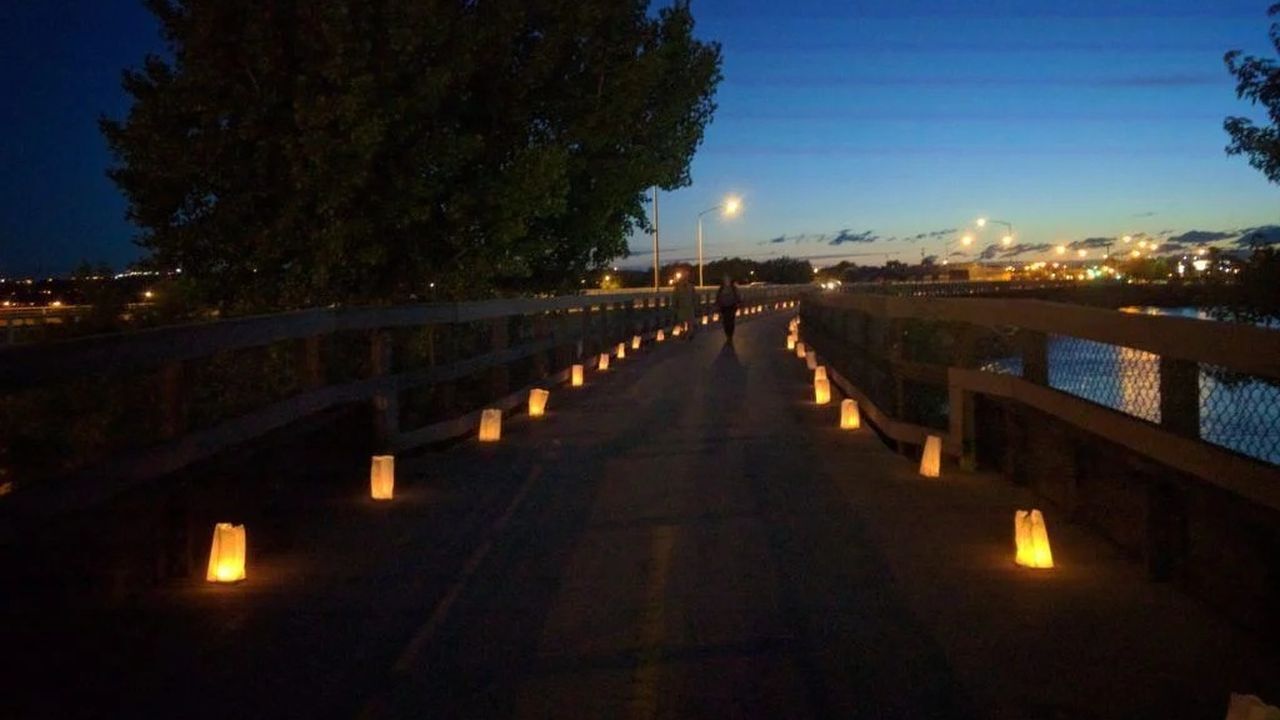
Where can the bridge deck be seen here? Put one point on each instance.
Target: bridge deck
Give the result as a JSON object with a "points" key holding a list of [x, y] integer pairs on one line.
{"points": [[689, 536]]}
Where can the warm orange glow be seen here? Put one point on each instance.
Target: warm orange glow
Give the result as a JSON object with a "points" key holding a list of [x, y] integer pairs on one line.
{"points": [[538, 402], [850, 418], [791, 342], [800, 351], [226, 555], [715, 317], [820, 372], [621, 351], [660, 337], [382, 477], [931, 459], [704, 319], [491, 425], [575, 376], [635, 342], [811, 360], [1031, 538], [602, 363], [821, 391]]}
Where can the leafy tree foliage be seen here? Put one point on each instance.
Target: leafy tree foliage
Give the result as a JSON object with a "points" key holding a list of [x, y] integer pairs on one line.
{"points": [[287, 153], [1258, 80]]}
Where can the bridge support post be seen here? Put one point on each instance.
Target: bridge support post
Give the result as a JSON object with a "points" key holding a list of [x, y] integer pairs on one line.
{"points": [[386, 405], [1180, 396], [312, 364], [1035, 356], [499, 340], [541, 331]]}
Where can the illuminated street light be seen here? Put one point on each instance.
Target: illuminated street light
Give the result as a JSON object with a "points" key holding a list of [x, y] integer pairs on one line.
{"points": [[966, 240], [730, 207], [1007, 240], [1135, 254], [1082, 252], [1061, 249], [982, 222], [1127, 238]]}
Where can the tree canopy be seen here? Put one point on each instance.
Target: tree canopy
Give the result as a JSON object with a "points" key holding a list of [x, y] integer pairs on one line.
{"points": [[1258, 80], [289, 153]]}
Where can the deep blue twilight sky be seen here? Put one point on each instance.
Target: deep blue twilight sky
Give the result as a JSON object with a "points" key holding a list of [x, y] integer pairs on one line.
{"points": [[884, 119]]}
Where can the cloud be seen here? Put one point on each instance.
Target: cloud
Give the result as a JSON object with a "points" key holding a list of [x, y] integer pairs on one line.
{"points": [[848, 236], [1200, 237], [778, 240], [1146, 214], [989, 252], [1165, 233], [1265, 235], [1090, 243], [932, 234], [1024, 248], [1171, 247]]}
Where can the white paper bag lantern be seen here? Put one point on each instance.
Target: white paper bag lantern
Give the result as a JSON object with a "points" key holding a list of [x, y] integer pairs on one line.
{"points": [[704, 319], [490, 425], [576, 376], [621, 351], [811, 359], [931, 460], [820, 372], [635, 342], [1031, 540], [603, 363], [850, 418], [1250, 707], [715, 317], [382, 477], [800, 351], [660, 337], [227, 554], [538, 402], [821, 391], [791, 342]]}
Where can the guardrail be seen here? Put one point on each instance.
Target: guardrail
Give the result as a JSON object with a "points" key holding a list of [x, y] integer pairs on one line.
{"points": [[83, 419], [1199, 395]]}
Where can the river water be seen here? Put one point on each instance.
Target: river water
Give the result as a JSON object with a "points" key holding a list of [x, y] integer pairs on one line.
{"points": [[1238, 413]]}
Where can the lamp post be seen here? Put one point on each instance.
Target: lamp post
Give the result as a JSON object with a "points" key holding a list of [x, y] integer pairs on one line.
{"points": [[1007, 239], [730, 206], [965, 240], [655, 239]]}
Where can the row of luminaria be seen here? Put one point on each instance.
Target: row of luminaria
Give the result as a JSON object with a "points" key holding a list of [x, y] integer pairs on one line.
{"points": [[1031, 538], [230, 542]]}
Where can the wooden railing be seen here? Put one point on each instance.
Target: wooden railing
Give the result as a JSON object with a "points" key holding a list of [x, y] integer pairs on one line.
{"points": [[919, 363], [386, 353]]}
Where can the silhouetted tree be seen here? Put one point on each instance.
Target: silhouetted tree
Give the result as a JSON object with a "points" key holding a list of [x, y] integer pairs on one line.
{"points": [[1258, 80], [288, 154]]}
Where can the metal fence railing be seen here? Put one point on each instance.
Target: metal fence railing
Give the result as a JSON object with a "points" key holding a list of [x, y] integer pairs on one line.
{"points": [[1215, 382]]}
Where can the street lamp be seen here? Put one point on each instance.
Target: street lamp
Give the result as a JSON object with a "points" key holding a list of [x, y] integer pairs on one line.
{"points": [[1007, 239], [966, 241], [730, 207]]}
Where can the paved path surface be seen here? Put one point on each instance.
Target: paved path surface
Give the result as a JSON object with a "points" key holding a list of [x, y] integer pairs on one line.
{"points": [[687, 537]]}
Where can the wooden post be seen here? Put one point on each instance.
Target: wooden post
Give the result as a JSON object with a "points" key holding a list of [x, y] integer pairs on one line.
{"points": [[173, 401], [386, 405], [312, 363], [1180, 396], [541, 331], [499, 375], [1035, 356]]}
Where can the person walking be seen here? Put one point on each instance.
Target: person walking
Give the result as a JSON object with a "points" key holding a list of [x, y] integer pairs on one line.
{"points": [[683, 301], [728, 300]]}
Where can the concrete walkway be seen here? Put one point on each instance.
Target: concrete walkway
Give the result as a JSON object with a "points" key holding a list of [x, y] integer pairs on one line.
{"points": [[689, 536]]}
